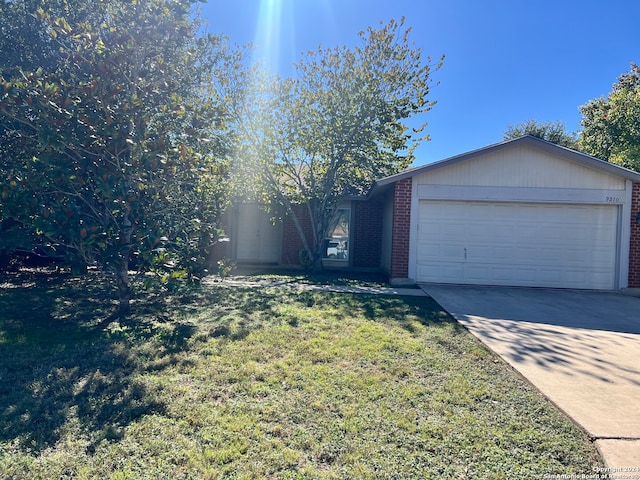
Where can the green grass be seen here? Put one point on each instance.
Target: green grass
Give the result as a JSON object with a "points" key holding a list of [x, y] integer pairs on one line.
{"points": [[226, 382], [328, 277]]}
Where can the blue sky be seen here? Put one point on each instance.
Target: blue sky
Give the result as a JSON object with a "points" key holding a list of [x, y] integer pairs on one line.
{"points": [[506, 61]]}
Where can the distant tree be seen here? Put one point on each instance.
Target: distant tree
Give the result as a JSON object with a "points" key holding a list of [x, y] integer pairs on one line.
{"points": [[116, 147], [338, 125], [611, 126], [554, 132]]}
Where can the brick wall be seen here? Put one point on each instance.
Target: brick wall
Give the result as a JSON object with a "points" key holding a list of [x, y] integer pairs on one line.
{"points": [[291, 242], [400, 230], [634, 251], [366, 235]]}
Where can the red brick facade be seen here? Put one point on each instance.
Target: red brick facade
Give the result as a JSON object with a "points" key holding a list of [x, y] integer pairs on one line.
{"points": [[291, 241], [634, 251], [366, 234], [401, 229]]}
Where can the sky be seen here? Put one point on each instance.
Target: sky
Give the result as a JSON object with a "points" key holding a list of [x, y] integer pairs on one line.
{"points": [[506, 61]]}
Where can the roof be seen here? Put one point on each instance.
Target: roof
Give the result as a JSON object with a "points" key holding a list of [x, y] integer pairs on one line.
{"points": [[529, 140]]}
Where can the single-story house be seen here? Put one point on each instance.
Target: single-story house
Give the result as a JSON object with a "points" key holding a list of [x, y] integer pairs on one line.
{"points": [[523, 212]]}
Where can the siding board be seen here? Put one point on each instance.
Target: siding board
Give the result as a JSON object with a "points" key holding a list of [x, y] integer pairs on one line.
{"points": [[521, 166]]}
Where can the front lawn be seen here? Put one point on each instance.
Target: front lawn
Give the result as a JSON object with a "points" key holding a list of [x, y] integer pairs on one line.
{"points": [[229, 382], [329, 277]]}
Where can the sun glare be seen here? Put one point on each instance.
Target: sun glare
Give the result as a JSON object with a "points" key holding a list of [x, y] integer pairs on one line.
{"points": [[278, 38], [269, 31]]}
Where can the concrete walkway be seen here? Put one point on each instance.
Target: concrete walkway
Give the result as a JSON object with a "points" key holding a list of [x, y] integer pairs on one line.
{"points": [[581, 349]]}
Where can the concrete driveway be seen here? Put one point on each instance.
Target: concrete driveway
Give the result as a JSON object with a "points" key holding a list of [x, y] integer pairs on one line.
{"points": [[581, 349]]}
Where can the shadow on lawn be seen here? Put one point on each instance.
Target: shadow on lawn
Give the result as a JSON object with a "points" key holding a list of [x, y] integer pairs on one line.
{"points": [[401, 310], [66, 367], [255, 308]]}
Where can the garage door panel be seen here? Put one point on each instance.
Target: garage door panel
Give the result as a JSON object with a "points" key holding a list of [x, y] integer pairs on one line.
{"points": [[574, 257], [478, 273], [453, 252], [479, 231], [601, 278], [575, 277], [571, 246], [433, 252], [438, 272], [453, 230], [550, 275], [601, 259], [451, 272], [459, 210], [526, 232], [503, 253], [551, 254], [502, 274], [437, 252], [523, 275], [606, 237], [580, 216], [550, 215]]}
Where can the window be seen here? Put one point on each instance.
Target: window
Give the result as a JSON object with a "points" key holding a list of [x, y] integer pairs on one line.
{"points": [[337, 240]]}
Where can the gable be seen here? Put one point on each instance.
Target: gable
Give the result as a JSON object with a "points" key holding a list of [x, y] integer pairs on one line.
{"points": [[524, 166]]}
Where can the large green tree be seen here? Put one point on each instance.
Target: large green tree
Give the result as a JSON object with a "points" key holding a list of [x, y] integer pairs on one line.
{"points": [[26, 46], [554, 132], [337, 125], [611, 125], [117, 145]]}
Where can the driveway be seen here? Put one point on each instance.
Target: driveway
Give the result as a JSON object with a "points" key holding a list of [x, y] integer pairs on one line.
{"points": [[581, 349]]}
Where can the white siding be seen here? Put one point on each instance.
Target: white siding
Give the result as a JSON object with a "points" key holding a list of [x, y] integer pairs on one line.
{"points": [[521, 166]]}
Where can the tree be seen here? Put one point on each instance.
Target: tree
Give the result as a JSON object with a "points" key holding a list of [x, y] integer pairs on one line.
{"points": [[611, 126], [25, 44], [118, 146], [328, 133], [554, 132]]}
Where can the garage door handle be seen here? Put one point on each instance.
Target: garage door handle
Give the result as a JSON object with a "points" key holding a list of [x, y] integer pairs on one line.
{"points": [[465, 253]]}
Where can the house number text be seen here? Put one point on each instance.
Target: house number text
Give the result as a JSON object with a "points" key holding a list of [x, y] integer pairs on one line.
{"points": [[612, 199]]}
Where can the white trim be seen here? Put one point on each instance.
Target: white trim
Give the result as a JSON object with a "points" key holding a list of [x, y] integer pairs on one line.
{"points": [[519, 194]]}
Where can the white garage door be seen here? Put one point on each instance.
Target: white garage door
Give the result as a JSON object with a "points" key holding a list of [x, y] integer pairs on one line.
{"points": [[523, 244]]}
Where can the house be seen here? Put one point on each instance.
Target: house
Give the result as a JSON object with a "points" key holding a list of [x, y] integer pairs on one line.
{"points": [[354, 242], [524, 212]]}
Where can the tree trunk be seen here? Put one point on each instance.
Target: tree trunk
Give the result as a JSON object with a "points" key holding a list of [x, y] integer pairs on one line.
{"points": [[320, 225], [122, 267], [122, 282], [317, 266], [296, 223]]}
